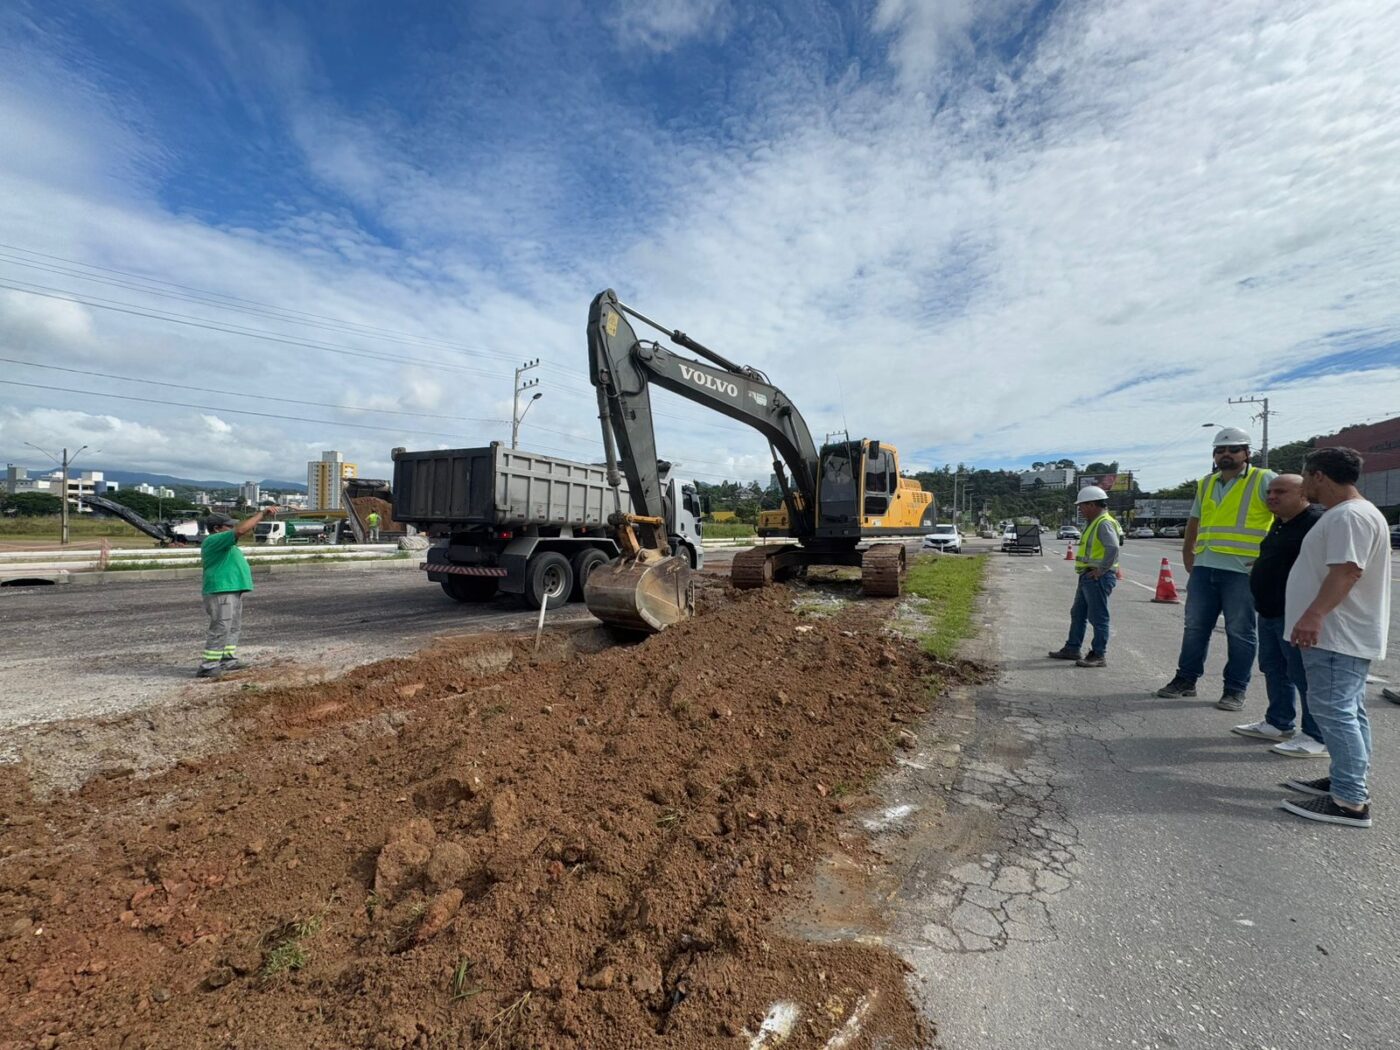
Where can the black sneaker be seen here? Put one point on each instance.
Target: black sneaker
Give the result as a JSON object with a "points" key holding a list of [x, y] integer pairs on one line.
{"points": [[1393, 695], [1065, 654], [231, 663], [1178, 686], [1092, 660], [209, 672], [1321, 787], [1327, 811], [1230, 701]]}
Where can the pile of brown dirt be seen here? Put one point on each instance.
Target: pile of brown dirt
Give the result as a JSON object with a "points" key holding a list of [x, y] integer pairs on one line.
{"points": [[365, 504], [471, 848]]}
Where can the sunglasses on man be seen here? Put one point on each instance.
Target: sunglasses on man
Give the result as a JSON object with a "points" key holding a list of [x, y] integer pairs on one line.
{"points": [[1236, 449]]}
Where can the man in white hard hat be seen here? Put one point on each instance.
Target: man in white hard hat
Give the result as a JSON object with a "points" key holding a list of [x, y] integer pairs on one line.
{"points": [[1095, 562], [1228, 522]]}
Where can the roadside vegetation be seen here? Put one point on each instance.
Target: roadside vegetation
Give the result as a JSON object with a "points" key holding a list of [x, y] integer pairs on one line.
{"points": [[950, 585], [79, 527], [728, 530]]}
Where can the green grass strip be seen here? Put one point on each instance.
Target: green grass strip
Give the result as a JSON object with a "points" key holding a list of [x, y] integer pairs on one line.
{"points": [[728, 530], [951, 583]]}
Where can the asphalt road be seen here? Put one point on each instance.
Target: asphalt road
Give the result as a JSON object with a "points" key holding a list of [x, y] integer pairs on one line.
{"points": [[1176, 905], [80, 651]]}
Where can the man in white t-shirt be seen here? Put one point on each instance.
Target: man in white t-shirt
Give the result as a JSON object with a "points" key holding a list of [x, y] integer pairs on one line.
{"points": [[1337, 611]]}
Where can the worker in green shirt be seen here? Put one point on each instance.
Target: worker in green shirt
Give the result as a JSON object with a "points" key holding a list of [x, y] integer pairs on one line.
{"points": [[226, 579], [372, 520]]}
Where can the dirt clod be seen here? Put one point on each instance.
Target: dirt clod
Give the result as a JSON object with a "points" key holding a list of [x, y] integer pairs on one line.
{"points": [[400, 862]]}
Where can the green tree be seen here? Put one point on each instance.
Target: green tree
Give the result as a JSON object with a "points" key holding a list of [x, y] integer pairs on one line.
{"points": [[1186, 490], [1287, 459], [31, 504]]}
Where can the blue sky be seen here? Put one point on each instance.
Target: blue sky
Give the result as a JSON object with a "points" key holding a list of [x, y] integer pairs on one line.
{"points": [[981, 231]]}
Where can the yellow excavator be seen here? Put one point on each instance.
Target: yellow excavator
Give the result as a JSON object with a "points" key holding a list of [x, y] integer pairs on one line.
{"points": [[835, 497]]}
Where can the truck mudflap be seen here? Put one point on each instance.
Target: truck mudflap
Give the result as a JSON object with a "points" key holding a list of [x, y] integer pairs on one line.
{"points": [[461, 570]]}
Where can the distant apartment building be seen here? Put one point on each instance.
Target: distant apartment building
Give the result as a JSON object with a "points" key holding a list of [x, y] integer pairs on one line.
{"points": [[201, 499], [1049, 478], [249, 493], [323, 478], [159, 491]]}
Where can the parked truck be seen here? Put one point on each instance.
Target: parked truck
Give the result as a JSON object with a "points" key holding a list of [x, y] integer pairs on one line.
{"points": [[293, 531], [504, 519]]}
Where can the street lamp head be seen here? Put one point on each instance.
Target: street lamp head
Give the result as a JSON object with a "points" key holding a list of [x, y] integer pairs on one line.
{"points": [[537, 397]]}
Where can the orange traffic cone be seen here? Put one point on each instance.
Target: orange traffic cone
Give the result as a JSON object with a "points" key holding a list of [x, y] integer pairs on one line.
{"points": [[1069, 552], [1166, 587]]}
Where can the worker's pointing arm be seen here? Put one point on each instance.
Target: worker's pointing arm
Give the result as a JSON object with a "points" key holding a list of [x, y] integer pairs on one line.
{"points": [[247, 525]]}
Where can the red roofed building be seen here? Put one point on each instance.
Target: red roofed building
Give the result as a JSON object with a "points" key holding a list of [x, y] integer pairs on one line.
{"points": [[1379, 445]]}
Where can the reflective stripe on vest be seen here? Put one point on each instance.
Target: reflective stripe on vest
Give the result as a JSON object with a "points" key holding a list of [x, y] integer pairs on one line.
{"points": [[1091, 549], [1239, 522]]}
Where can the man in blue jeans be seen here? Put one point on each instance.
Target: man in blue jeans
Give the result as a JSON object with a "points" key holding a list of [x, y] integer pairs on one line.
{"points": [[1337, 610], [1228, 522], [1281, 663], [1096, 562]]}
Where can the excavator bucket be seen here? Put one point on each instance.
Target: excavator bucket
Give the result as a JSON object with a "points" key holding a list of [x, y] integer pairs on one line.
{"points": [[641, 595]]}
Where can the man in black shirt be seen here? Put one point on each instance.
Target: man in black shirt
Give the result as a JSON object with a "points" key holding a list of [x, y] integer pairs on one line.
{"points": [[1280, 663]]}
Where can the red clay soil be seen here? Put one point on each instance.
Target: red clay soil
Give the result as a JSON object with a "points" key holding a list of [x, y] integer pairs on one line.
{"points": [[473, 848]]}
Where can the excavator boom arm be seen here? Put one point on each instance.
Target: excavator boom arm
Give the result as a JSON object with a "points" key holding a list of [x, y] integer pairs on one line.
{"points": [[622, 367]]}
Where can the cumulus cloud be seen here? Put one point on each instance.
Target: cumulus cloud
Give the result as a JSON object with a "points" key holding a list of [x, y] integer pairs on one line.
{"points": [[1074, 232], [664, 25], [217, 425]]}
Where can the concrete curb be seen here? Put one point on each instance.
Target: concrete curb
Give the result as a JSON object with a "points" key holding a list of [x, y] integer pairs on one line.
{"points": [[96, 578]]}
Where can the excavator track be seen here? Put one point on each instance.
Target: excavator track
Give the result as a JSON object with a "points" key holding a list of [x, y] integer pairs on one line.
{"points": [[881, 570], [754, 567]]}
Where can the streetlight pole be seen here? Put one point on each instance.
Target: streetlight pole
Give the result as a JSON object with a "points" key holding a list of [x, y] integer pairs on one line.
{"points": [[62, 486], [515, 414]]}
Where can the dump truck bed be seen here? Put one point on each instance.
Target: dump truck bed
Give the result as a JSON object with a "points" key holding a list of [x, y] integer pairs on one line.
{"points": [[499, 487]]}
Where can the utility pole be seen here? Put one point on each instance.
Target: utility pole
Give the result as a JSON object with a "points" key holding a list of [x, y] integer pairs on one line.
{"points": [[515, 414], [62, 486], [1263, 414]]}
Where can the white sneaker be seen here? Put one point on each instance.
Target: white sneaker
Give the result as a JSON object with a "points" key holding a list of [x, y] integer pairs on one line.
{"points": [[1263, 731], [1303, 747]]}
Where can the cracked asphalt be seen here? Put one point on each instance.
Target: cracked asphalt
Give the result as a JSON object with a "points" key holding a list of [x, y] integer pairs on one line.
{"points": [[1109, 869]]}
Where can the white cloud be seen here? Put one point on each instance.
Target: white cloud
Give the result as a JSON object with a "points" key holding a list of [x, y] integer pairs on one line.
{"points": [[28, 321], [217, 425], [1190, 195], [664, 25]]}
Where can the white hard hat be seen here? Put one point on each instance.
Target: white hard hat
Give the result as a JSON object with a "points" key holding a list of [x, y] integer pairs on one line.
{"points": [[1232, 436], [1092, 494]]}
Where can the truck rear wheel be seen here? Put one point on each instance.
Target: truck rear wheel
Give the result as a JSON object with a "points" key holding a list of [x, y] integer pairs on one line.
{"points": [[585, 562], [548, 578], [470, 588]]}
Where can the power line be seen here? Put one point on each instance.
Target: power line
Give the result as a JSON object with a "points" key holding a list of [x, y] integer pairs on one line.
{"points": [[235, 393], [571, 454], [232, 302], [49, 292], [229, 411]]}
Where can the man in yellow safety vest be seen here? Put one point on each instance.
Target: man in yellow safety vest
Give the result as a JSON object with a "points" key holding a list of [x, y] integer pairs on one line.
{"points": [[1228, 522], [1096, 562], [372, 520]]}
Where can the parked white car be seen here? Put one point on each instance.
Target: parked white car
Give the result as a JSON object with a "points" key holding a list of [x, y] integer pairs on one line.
{"points": [[1171, 532], [944, 538], [1142, 532]]}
